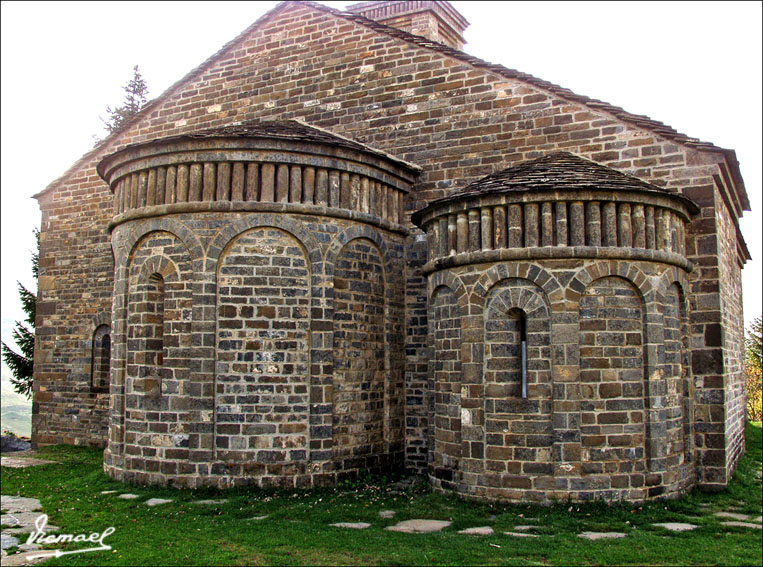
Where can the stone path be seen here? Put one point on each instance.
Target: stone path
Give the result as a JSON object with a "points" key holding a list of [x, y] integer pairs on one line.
{"points": [[19, 462], [419, 526], [601, 535], [482, 530], [210, 502], [387, 514], [732, 515], [128, 496], [677, 526], [742, 525], [21, 514], [738, 520], [520, 534], [156, 501], [352, 525]]}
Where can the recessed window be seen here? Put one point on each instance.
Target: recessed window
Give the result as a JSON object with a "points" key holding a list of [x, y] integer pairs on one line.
{"points": [[101, 359]]}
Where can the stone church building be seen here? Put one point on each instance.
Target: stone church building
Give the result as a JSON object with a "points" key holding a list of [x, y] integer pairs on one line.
{"points": [[342, 245]]}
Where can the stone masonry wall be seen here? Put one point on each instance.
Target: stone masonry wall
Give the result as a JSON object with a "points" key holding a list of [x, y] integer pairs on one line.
{"points": [[732, 339], [457, 121], [258, 310]]}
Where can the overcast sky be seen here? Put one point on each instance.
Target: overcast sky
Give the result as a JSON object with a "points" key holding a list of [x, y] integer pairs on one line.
{"points": [[695, 66]]}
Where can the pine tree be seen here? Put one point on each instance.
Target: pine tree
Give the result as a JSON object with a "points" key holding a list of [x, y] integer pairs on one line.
{"points": [[22, 363], [135, 99]]}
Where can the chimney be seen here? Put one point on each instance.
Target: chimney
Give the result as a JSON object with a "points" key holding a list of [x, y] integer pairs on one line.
{"points": [[433, 19]]}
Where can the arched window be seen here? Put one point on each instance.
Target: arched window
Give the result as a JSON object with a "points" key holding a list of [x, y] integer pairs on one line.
{"points": [[101, 357]]}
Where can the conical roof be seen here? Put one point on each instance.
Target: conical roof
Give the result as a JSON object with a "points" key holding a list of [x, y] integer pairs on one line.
{"points": [[558, 171], [286, 130]]}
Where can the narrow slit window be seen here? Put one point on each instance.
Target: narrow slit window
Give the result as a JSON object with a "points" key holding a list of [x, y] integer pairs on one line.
{"points": [[519, 340], [101, 358], [523, 351]]}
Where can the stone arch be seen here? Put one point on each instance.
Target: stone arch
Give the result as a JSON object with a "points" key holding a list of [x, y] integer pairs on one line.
{"points": [[521, 270], [356, 232], [614, 389], [262, 373], [623, 269], [101, 319], [176, 228], [517, 401], [161, 265], [243, 224], [445, 278]]}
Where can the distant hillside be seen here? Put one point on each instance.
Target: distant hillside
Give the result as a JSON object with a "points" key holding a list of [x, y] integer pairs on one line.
{"points": [[16, 414]]}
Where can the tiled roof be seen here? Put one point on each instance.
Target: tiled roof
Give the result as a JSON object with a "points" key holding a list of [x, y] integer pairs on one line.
{"points": [[558, 171], [289, 130]]}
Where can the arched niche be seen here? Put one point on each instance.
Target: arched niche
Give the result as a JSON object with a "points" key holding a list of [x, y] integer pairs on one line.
{"points": [[263, 361], [612, 378], [360, 363]]}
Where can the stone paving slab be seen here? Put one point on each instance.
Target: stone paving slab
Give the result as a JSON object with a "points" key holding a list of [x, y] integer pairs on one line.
{"points": [[677, 526], [601, 535], [743, 525], [387, 514], [482, 530], [19, 519], [128, 496], [109, 491], [352, 525], [22, 462], [25, 558], [759, 519], [258, 518], [520, 534], [19, 503], [210, 502], [156, 501], [524, 528], [732, 515], [7, 541], [419, 526]]}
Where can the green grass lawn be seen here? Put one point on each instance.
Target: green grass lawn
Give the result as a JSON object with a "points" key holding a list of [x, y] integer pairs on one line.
{"points": [[297, 529]]}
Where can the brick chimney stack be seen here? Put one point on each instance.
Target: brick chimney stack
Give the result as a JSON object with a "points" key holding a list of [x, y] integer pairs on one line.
{"points": [[433, 19]]}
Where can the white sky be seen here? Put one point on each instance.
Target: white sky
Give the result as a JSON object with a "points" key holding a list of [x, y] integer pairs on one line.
{"points": [[695, 66]]}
